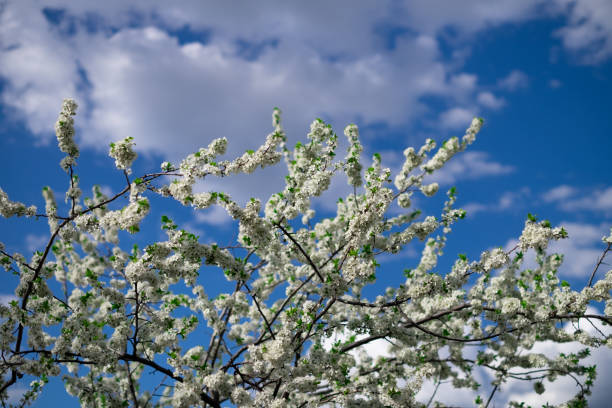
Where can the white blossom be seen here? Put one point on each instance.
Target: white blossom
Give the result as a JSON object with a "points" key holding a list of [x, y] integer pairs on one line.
{"points": [[9, 208], [64, 130], [430, 189], [293, 325], [123, 154], [493, 259], [608, 239]]}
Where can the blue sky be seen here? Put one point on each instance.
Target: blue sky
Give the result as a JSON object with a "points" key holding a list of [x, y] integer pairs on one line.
{"points": [[175, 76]]}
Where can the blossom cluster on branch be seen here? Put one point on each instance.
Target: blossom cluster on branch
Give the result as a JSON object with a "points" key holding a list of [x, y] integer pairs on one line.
{"points": [[121, 314]]}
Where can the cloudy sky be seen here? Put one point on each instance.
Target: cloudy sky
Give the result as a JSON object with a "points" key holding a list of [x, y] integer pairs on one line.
{"points": [[175, 75]]}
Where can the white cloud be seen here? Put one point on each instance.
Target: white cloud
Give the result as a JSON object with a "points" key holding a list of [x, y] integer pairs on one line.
{"points": [[555, 83], [38, 67], [36, 242], [457, 118], [582, 249], [15, 393], [469, 16], [141, 82], [464, 81], [516, 79], [598, 200], [589, 32], [488, 100], [472, 209], [506, 201], [468, 166], [558, 193], [6, 298], [106, 190], [215, 215]]}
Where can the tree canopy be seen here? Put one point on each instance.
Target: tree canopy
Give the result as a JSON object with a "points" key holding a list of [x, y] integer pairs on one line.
{"points": [[123, 326]]}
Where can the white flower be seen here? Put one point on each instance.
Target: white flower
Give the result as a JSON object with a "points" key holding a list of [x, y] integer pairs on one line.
{"points": [[510, 306], [276, 118], [166, 166], [470, 133], [9, 208], [64, 128], [123, 153], [220, 382], [535, 235], [493, 259], [241, 397], [353, 165], [448, 150], [430, 190], [608, 239], [404, 200], [127, 218]]}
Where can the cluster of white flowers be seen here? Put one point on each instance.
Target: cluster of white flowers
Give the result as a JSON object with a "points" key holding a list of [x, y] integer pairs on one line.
{"points": [[472, 131], [608, 239], [494, 259], [64, 130], [310, 173], [430, 189], [353, 164], [265, 155], [448, 150], [510, 305], [123, 153], [412, 161], [124, 312], [128, 218], [537, 235], [9, 208]]}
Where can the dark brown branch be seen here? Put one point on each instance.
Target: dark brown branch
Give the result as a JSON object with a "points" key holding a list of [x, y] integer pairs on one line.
{"points": [[299, 247], [599, 263], [395, 302], [260, 311]]}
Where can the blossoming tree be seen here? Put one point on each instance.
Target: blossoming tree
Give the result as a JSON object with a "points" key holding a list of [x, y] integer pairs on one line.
{"points": [[121, 316]]}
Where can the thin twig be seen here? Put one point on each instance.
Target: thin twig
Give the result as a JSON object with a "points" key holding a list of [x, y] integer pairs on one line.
{"points": [[599, 263], [491, 396]]}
